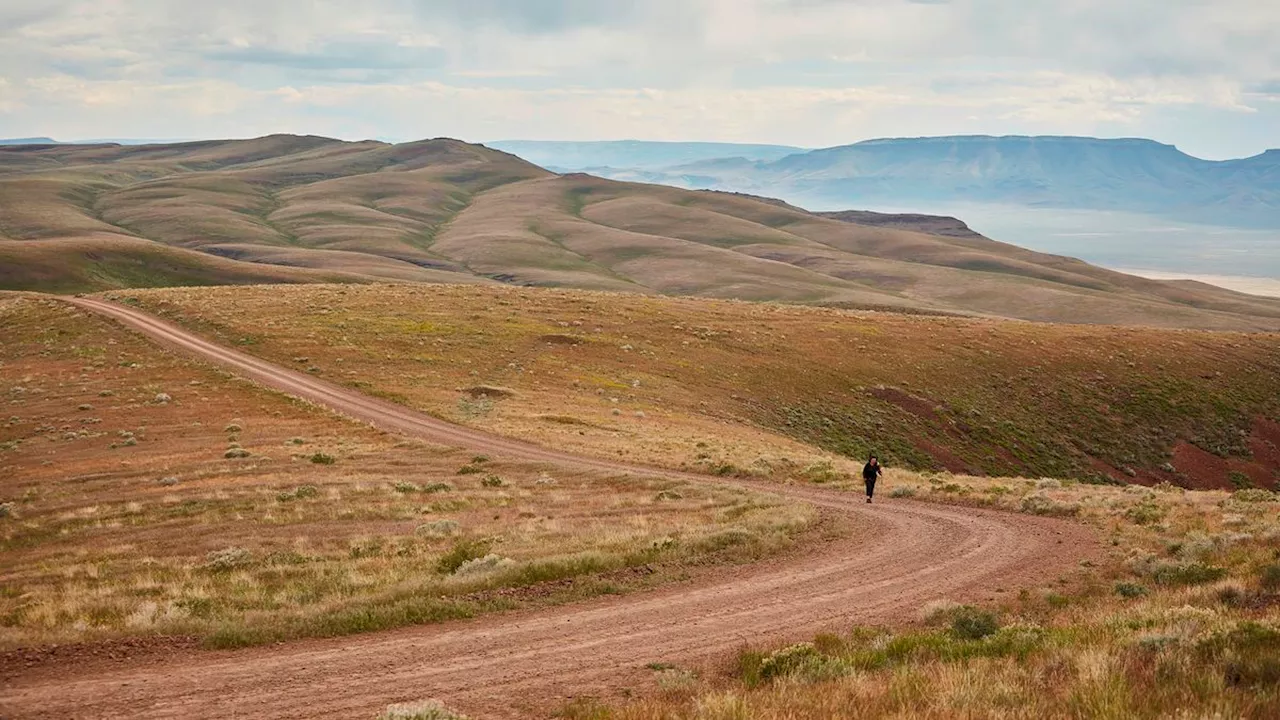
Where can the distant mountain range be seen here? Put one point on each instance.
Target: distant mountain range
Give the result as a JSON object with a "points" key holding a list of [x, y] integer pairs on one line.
{"points": [[1130, 175]]}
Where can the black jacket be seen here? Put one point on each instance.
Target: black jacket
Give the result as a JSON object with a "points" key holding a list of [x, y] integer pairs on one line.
{"points": [[871, 472]]}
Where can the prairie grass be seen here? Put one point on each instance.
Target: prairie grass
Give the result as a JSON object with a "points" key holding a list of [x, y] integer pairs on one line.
{"points": [[782, 392], [168, 536], [1183, 620]]}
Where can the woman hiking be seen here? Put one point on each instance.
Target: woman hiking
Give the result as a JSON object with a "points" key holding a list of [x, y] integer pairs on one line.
{"points": [[870, 472]]}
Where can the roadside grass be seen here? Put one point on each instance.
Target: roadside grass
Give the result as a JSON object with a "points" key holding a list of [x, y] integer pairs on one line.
{"points": [[1183, 620], [324, 527], [775, 391]]}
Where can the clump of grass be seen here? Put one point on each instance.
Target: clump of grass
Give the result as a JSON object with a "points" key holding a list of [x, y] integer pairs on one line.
{"points": [[483, 566], [1038, 504], [470, 469], [323, 459], [437, 487], [1255, 495], [1269, 578], [233, 428], [236, 453], [461, 552], [406, 487], [1130, 590], [970, 623], [6, 510], [169, 481], [226, 559], [668, 495], [479, 459], [902, 491], [493, 481], [421, 710], [438, 529], [302, 492]]}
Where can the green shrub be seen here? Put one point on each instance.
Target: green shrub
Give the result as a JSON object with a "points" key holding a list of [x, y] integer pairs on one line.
{"points": [[1254, 495], [493, 481], [438, 528], [787, 660], [461, 552], [1186, 573], [235, 453], [1270, 578], [1145, 513], [902, 491], [1239, 480], [323, 459], [970, 623], [470, 470], [438, 487], [1130, 590], [1247, 655], [1037, 504], [406, 487], [668, 495]]}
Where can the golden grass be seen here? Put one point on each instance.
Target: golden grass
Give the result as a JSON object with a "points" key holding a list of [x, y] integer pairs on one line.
{"points": [[1183, 620], [146, 495], [750, 389]]}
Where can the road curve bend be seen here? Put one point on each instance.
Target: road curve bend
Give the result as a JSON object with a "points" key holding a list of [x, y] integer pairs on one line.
{"points": [[526, 664]]}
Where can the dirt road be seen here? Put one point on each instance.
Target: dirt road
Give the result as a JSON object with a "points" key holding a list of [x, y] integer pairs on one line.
{"points": [[526, 664]]}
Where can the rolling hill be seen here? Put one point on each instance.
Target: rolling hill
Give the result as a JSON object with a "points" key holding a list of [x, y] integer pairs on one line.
{"points": [[311, 209]]}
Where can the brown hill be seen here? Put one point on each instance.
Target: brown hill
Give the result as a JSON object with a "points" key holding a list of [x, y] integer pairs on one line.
{"points": [[301, 209]]}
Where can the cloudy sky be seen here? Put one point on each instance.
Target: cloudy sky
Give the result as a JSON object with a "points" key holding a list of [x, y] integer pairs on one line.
{"points": [[1202, 74]]}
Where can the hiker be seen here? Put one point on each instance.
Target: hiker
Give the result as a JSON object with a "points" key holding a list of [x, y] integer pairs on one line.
{"points": [[870, 472]]}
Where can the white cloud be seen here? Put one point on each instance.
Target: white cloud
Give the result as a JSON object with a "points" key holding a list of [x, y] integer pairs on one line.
{"points": [[802, 71]]}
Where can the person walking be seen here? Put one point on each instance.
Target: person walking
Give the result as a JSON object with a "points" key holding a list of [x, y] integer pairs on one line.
{"points": [[870, 472]]}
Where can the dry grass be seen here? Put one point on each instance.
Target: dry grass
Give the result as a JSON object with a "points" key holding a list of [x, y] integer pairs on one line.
{"points": [[147, 495], [1183, 621], [444, 211], [751, 389]]}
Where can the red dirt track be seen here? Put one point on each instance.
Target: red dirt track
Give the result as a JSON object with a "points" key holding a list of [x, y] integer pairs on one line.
{"points": [[526, 664]]}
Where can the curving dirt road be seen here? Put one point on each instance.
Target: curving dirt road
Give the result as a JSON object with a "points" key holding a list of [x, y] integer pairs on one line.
{"points": [[527, 664]]}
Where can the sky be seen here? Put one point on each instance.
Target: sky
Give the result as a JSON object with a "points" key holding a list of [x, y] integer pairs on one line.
{"points": [[1201, 74]]}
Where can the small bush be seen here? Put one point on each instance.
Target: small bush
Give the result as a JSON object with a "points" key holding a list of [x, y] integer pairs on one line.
{"points": [[668, 495], [323, 459], [235, 453], [483, 566], [461, 552], [1254, 495], [1130, 590], [297, 441], [226, 559], [6, 509], [1145, 513], [1269, 578], [168, 481], [1037, 504], [437, 487], [470, 470], [299, 493], [85, 406], [493, 481], [232, 428], [407, 487], [970, 623], [438, 529], [479, 459], [424, 710], [1248, 655], [1239, 480], [902, 491], [1186, 573], [787, 660]]}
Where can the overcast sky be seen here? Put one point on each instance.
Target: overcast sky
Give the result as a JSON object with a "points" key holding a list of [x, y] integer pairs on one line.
{"points": [[1202, 74]]}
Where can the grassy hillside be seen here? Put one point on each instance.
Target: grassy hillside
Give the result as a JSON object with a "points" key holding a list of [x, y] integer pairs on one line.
{"points": [[446, 211], [142, 494], [765, 389]]}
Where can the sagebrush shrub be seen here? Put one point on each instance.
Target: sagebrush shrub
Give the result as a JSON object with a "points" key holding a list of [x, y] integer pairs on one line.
{"points": [[970, 623]]}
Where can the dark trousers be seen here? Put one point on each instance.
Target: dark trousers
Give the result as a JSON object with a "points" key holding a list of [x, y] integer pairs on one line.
{"points": [[871, 486]]}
